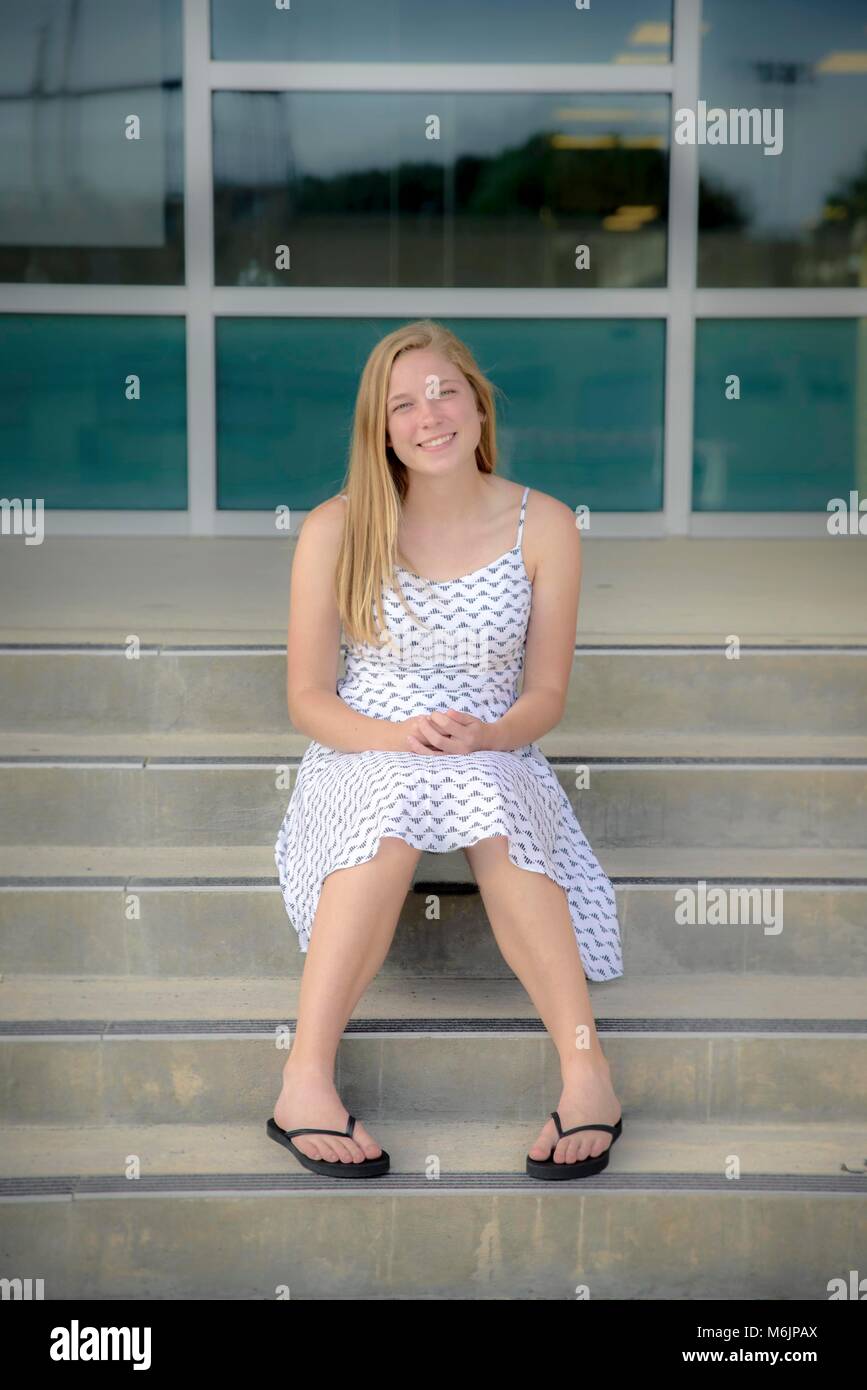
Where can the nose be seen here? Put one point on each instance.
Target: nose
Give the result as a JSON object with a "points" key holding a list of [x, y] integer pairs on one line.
{"points": [[430, 415], [431, 406]]}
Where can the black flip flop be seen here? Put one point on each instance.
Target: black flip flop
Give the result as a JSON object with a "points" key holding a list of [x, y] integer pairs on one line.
{"points": [[368, 1168], [546, 1168]]}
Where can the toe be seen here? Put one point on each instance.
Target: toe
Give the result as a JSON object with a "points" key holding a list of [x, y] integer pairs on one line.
{"points": [[545, 1142], [325, 1151], [365, 1146], [308, 1148]]}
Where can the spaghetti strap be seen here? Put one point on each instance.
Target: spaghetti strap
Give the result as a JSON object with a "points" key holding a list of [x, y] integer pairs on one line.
{"points": [[521, 520]]}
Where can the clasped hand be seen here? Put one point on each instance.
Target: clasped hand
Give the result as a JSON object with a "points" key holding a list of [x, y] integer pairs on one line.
{"points": [[446, 731]]}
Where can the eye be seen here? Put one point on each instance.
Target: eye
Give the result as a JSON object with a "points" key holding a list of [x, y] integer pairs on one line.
{"points": [[449, 391]]}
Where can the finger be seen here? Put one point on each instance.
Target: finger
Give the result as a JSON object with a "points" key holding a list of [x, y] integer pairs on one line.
{"points": [[454, 744], [445, 724], [429, 733], [434, 735], [428, 747], [417, 745]]}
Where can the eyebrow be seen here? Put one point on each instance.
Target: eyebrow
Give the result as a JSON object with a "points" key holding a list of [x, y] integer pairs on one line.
{"points": [[401, 394]]}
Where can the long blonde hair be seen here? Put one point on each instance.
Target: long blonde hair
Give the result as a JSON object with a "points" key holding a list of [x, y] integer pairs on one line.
{"points": [[376, 481]]}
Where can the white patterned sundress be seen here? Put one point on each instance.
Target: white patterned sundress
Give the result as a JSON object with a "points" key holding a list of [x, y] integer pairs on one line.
{"points": [[469, 659]]}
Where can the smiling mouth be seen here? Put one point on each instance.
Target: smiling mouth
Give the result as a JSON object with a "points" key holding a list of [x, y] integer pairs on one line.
{"points": [[438, 443]]}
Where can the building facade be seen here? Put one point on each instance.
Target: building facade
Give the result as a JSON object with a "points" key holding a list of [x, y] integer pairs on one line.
{"points": [[648, 218]]}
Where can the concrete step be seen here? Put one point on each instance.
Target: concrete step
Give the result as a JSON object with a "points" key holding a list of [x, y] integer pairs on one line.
{"points": [[176, 802], [185, 927], [112, 1001], [174, 1071], [731, 1049], [235, 864], [121, 910], [617, 1236], [678, 687], [234, 589], [567, 741], [494, 1146]]}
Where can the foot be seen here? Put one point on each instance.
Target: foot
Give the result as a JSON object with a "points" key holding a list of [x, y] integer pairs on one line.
{"points": [[587, 1095], [309, 1099]]}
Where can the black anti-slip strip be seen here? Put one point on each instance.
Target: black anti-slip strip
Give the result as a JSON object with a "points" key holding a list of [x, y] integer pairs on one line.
{"points": [[172, 1027], [200, 1184], [279, 648], [664, 880], [156, 762]]}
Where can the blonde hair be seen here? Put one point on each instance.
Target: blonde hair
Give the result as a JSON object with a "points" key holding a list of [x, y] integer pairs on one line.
{"points": [[376, 481]]}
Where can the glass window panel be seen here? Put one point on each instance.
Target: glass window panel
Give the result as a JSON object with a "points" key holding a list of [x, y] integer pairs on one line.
{"points": [[792, 441], [351, 184], [81, 202], [70, 435], [798, 217], [582, 416], [447, 31]]}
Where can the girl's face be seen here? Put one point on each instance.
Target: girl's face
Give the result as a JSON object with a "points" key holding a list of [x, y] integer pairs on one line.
{"points": [[433, 423]]}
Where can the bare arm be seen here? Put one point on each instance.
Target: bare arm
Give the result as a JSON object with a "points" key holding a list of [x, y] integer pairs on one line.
{"points": [[551, 630], [313, 645]]}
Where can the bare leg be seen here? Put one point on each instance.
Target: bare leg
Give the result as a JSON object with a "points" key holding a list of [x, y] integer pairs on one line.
{"points": [[354, 925], [529, 916]]}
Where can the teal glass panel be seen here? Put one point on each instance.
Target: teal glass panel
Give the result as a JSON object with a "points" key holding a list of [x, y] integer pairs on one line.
{"points": [[91, 143], [796, 217], [70, 435], [582, 416], [447, 31], [353, 186], [791, 442]]}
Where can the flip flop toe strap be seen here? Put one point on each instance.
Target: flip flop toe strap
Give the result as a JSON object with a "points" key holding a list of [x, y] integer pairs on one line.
{"points": [[341, 1133], [575, 1128]]}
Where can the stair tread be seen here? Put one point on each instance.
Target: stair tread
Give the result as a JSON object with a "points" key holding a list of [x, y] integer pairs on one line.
{"points": [[203, 590], [647, 1146], [233, 862], [565, 741], [45, 998]]}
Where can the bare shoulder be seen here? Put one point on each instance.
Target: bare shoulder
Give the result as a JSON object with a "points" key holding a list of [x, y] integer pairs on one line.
{"points": [[549, 532], [324, 523], [320, 535], [327, 516]]}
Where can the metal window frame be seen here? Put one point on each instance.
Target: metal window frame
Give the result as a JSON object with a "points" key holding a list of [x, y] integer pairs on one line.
{"points": [[680, 303]]}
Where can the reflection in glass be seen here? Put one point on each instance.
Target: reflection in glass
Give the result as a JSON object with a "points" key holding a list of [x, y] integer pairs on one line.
{"points": [[582, 416], [80, 201], [449, 31], [798, 217], [71, 434], [354, 186], [791, 442]]}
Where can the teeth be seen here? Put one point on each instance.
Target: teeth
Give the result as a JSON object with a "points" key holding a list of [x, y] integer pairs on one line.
{"points": [[430, 443]]}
